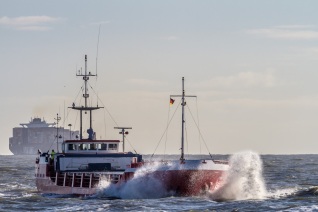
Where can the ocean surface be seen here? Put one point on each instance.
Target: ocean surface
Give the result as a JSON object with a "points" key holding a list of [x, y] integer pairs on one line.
{"points": [[254, 183]]}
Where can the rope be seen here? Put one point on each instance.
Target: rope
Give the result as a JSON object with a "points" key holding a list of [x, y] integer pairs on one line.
{"points": [[53, 142], [186, 132], [97, 48], [166, 129], [104, 107], [199, 132], [78, 112], [198, 122], [105, 123], [164, 153], [110, 117], [130, 144]]}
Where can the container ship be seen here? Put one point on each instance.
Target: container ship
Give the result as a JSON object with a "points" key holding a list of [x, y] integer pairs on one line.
{"points": [[28, 138]]}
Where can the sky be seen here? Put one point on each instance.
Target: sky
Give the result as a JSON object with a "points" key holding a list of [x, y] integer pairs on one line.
{"points": [[253, 66]]}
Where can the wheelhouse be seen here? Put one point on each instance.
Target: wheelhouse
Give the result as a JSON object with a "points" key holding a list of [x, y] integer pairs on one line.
{"points": [[87, 146]]}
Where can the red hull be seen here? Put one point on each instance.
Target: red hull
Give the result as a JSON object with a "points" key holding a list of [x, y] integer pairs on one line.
{"points": [[189, 182], [188, 178]]}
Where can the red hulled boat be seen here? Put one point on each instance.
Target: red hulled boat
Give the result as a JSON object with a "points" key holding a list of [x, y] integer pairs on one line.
{"points": [[188, 177], [84, 164]]}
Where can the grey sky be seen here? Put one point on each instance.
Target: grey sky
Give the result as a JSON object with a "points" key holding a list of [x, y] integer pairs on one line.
{"points": [[252, 64]]}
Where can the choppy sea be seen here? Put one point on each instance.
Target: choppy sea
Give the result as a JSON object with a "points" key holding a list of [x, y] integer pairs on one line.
{"points": [[254, 183]]}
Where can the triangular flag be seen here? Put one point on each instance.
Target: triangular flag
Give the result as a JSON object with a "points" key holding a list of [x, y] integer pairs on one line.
{"points": [[171, 101]]}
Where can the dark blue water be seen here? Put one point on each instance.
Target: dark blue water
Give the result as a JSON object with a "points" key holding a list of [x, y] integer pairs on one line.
{"points": [[265, 183]]}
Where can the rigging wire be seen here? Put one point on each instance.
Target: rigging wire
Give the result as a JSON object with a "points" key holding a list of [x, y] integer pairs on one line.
{"points": [[97, 48], [164, 152], [186, 136], [80, 101], [65, 118], [105, 123], [198, 123], [110, 116], [199, 132], [166, 129], [78, 93], [104, 106], [78, 111], [67, 114], [53, 142], [130, 144], [64, 121]]}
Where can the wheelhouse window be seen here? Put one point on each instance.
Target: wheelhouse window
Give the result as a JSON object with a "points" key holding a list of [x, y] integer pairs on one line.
{"points": [[102, 146], [92, 146], [112, 146], [72, 147], [83, 147]]}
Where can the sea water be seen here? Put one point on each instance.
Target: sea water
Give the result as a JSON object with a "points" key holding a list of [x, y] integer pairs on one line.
{"points": [[253, 183]]}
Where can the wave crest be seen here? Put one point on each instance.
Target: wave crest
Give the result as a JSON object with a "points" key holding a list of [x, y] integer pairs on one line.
{"points": [[243, 180]]}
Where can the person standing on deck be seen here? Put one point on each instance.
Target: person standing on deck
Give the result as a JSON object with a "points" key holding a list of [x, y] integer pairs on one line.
{"points": [[52, 154], [52, 157]]}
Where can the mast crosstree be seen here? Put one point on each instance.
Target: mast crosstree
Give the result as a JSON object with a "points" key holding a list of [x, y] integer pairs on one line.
{"points": [[85, 107], [123, 132]]}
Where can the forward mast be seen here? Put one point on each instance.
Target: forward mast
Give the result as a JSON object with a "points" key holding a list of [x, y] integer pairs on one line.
{"points": [[183, 103], [86, 108]]}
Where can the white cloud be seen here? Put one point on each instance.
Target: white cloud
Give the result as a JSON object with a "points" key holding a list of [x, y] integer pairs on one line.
{"points": [[34, 28], [244, 79], [30, 23], [290, 32]]}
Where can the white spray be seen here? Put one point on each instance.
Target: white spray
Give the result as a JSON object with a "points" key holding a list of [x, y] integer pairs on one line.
{"points": [[142, 186], [243, 180]]}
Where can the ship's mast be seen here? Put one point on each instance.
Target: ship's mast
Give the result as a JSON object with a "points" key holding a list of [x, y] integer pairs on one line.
{"points": [[182, 130], [85, 107], [183, 103], [123, 132], [57, 131]]}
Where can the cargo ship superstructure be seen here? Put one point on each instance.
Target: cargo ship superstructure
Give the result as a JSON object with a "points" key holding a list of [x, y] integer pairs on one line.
{"points": [[38, 134], [83, 163]]}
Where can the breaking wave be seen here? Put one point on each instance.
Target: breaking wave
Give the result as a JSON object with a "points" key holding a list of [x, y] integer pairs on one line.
{"points": [[243, 180], [142, 186], [282, 193]]}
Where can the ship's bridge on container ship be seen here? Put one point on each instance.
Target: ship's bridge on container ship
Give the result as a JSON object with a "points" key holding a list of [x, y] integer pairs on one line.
{"points": [[87, 146]]}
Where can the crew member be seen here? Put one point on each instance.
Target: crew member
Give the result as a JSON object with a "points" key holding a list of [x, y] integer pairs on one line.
{"points": [[52, 154]]}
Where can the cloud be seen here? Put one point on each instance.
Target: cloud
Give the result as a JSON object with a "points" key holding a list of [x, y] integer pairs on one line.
{"points": [[29, 23], [34, 28], [290, 32], [246, 79]]}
